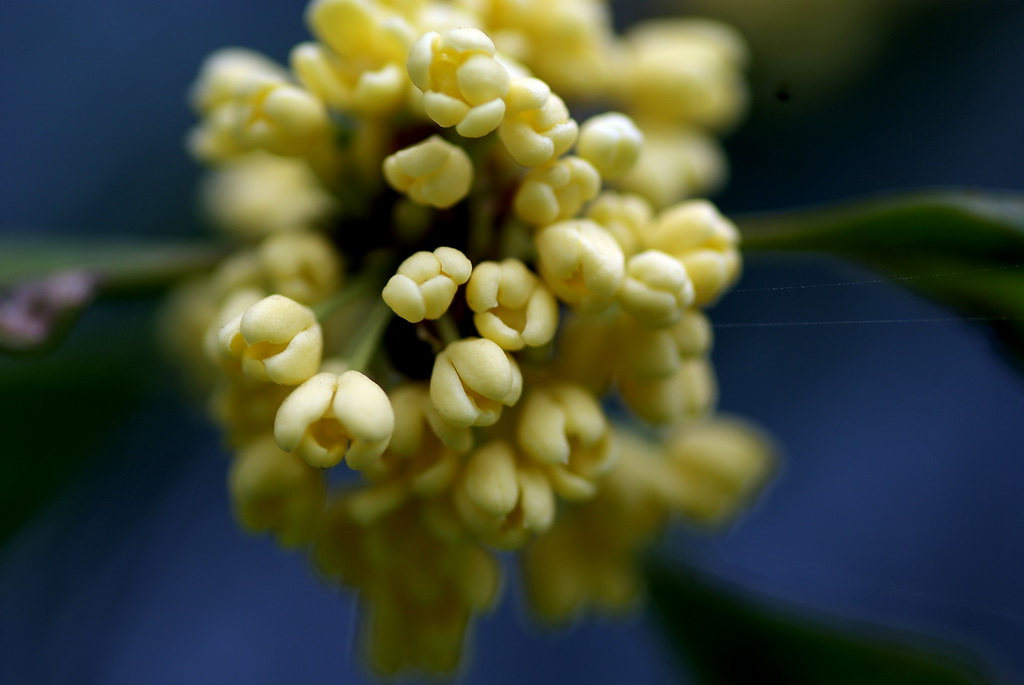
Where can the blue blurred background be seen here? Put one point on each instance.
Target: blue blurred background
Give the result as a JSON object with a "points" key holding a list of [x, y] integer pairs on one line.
{"points": [[898, 498]]}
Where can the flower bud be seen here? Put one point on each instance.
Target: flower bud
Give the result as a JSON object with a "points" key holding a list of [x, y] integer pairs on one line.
{"points": [[276, 339], [512, 306], [272, 490], [624, 215], [719, 466], [675, 163], [656, 290], [687, 394], [331, 417], [704, 241], [472, 380], [302, 266], [581, 263], [646, 354], [227, 73], [611, 142], [556, 190], [426, 283], [537, 126], [564, 428], [260, 194], [502, 498], [462, 83], [678, 73], [433, 172]]}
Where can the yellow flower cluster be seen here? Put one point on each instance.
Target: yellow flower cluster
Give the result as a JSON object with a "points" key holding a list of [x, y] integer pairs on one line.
{"points": [[443, 281]]}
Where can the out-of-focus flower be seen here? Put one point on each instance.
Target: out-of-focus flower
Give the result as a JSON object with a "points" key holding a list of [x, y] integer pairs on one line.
{"points": [[425, 148]]}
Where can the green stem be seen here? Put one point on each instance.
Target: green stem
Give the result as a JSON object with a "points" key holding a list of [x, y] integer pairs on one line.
{"points": [[448, 330], [367, 337]]}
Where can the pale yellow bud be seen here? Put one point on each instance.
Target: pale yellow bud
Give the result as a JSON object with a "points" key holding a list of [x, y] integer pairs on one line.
{"points": [[259, 194], [581, 263], [331, 417], [624, 215], [657, 288], [704, 241], [512, 306], [462, 82], [361, 32], [687, 394], [416, 419], [502, 498], [472, 380], [490, 479], [272, 490], [276, 339], [433, 172], [227, 73], [367, 90], [302, 266], [537, 126], [611, 142], [426, 283], [719, 466], [675, 163], [556, 190], [283, 119], [646, 354], [676, 73], [564, 428]]}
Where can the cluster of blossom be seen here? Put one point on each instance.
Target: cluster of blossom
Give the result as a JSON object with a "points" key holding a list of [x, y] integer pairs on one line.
{"points": [[445, 282]]}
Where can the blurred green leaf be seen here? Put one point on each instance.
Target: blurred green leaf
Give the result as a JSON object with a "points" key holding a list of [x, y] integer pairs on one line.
{"points": [[47, 284], [730, 638], [59, 410], [963, 249], [119, 264]]}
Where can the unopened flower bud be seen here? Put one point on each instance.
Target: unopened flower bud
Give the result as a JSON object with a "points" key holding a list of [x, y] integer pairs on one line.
{"points": [[704, 241], [537, 126], [719, 466], [646, 354], [687, 394], [302, 266], [426, 283], [331, 417], [581, 263], [556, 190], [611, 142], [272, 490], [512, 306], [624, 215], [657, 288], [564, 428], [462, 83], [276, 339], [433, 172], [472, 380]]}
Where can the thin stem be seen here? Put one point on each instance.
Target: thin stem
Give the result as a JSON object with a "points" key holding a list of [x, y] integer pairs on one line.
{"points": [[368, 336], [448, 330], [369, 281]]}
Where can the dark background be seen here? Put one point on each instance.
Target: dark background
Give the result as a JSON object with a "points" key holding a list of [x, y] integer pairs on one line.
{"points": [[898, 497]]}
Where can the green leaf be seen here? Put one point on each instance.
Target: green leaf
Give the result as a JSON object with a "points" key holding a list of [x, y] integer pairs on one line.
{"points": [[46, 285], [730, 638], [60, 410], [963, 249], [120, 265]]}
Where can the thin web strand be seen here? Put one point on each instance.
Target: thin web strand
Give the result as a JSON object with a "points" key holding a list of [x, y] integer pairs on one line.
{"points": [[855, 322]]}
